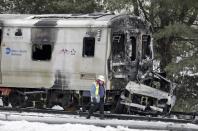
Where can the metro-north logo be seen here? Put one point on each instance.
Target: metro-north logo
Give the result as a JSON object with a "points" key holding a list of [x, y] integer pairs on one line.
{"points": [[15, 52], [8, 51]]}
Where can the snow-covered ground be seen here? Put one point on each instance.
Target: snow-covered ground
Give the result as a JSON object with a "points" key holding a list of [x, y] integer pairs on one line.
{"points": [[24, 125], [16, 121], [35, 126]]}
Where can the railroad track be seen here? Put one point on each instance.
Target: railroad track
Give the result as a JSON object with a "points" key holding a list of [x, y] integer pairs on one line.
{"points": [[131, 121], [175, 117]]}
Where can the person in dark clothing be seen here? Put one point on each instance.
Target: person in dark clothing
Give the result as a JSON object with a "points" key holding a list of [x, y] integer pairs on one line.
{"points": [[97, 92]]}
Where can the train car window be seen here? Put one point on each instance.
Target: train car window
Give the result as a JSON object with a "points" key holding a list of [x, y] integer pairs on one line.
{"points": [[18, 32], [88, 47], [118, 47], [146, 49], [41, 52], [133, 43]]}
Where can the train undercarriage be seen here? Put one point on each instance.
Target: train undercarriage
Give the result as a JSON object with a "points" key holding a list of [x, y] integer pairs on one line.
{"points": [[135, 97]]}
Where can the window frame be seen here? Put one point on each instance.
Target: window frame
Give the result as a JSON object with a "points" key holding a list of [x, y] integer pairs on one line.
{"points": [[84, 47], [50, 57], [146, 46], [134, 48]]}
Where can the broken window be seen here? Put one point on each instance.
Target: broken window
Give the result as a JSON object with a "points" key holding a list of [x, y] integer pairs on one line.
{"points": [[133, 43], [18, 32], [43, 39], [146, 49], [118, 47], [88, 46], [41, 52]]}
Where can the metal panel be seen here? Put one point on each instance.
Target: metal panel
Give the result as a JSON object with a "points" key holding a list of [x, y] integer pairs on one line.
{"points": [[0, 54]]}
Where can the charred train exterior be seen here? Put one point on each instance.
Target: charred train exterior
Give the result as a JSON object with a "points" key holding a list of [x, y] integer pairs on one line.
{"points": [[53, 59]]}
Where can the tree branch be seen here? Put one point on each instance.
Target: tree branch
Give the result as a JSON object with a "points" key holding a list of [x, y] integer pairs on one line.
{"points": [[193, 17], [143, 10]]}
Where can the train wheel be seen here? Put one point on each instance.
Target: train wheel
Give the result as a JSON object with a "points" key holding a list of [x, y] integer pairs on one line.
{"points": [[71, 104], [120, 108], [5, 100], [16, 100], [166, 109], [112, 108]]}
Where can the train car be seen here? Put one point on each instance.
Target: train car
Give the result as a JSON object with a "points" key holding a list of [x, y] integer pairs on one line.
{"points": [[54, 59]]}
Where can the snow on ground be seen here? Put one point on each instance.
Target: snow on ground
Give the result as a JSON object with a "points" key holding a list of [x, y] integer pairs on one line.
{"points": [[56, 107], [35, 126], [16, 121]]}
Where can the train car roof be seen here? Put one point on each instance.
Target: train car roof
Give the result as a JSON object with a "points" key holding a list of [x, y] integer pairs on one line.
{"points": [[59, 20]]}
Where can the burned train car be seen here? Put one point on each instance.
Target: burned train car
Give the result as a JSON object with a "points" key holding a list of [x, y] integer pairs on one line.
{"points": [[54, 59]]}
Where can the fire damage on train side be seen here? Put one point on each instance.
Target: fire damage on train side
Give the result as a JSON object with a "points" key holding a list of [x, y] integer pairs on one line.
{"points": [[131, 70], [135, 86]]}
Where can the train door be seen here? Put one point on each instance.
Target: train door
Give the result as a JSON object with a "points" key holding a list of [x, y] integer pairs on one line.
{"points": [[118, 46]]}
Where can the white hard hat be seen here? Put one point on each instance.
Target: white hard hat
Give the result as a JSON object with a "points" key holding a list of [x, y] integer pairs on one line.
{"points": [[101, 77]]}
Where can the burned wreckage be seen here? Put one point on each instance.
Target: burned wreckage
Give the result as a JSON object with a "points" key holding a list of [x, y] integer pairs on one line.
{"points": [[51, 60]]}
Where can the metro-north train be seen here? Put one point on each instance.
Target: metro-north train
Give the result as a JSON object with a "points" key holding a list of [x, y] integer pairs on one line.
{"points": [[53, 59]]}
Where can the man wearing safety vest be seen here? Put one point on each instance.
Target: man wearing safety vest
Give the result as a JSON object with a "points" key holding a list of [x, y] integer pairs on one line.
{"points": [[97, 92]]}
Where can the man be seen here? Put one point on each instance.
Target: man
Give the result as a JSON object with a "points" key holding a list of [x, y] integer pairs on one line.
{"points": [[97, 92]]}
